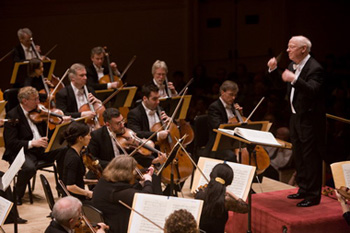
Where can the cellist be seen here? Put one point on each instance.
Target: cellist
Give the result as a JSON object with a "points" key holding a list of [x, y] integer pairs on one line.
{"points": [[159, 72], [24, 50], [97, 70], [220, 112], [72, 97]]}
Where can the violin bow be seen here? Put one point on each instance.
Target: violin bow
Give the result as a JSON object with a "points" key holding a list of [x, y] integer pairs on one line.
{"points": [[49, 95], [113, 94], [187, 84], [251, 114], [48, 52], [194, 164], [128, 66], [6, 55], [143, 216], [176, 109]]}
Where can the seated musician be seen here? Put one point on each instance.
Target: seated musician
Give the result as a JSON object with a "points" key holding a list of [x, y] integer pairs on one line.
{"points": [[159, 72], [118, 181], [220, 112], [180, 221], [35, 71], [217, 201], [72, 97], [77, 136], [24, 51], [97, 70], [66, 215], [29, 135], [104, 144]]}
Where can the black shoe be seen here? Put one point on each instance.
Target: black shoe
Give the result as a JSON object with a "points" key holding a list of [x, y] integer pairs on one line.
{"points": [[296, 196], [21, 220], [307, 203], [19, 201]]}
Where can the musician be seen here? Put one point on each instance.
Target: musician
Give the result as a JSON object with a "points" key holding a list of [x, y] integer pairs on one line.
{"points": [[103, 143], [180, 221], [217, 202], [118, 183], [77, 136], [159, 72], [66, 215], [97, 70], [220, 112], [34, 79], [70, 98], [308, 119], [145, 115], [26, 134], [24, 51]]}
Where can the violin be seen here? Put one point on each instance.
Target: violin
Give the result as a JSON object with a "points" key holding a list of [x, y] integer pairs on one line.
{"points": [[40, 114], [110, 77], [92, 164], [130, 140]]}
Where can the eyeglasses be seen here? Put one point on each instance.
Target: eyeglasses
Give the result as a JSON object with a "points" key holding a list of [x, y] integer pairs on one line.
{"points": [[119, 123]]}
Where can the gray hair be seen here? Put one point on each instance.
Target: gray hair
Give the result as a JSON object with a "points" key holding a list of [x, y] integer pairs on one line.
{"points": [[73, 69], [65, 209], [22, 31], [26, 93], [303, 41], [159, 64], [97, 50], [229, 85]]}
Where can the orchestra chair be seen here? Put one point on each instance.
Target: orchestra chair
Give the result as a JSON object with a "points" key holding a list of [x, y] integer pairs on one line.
{"points": [[48, 193], [201, 132], [10, 95], [94, 215]]}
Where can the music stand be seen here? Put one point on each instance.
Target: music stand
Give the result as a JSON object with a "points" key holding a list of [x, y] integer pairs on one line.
{"points": [[169, 106], [168, 162], [282, 143], [2, 105], [57, 141], [123, 99], [9, 176], [20, 71]]}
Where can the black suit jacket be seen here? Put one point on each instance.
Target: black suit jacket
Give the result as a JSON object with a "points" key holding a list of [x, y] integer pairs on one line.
{"points": [[138, 122], [65, 100], [92, 77], [216, 116], [18, 135], [54, 227], [101, 147], [18, 54]]}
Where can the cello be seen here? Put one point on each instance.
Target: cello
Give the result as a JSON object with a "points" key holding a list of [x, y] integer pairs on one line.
{"points": [[110, 77]]}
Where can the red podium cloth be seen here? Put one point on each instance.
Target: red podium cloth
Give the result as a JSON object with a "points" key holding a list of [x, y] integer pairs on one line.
{"points": [[274, 212]]}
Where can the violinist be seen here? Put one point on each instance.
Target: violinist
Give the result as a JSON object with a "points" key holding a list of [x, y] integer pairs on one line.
{"points": [[26, 134], [97, 70], [145, 115], [104, 144], [220, 112], [159, 72], [35, 71], [24, 51], [70, 98], [78, 137], [118, 183], [217, 200], [66, 215]]}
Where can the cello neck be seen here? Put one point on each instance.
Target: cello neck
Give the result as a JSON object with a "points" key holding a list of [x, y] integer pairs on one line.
{"points": [[110, 72], [238, 114]]}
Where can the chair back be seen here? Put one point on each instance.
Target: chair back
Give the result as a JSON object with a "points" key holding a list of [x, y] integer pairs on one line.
{"points": [[94, 215], [10, 95], [47, 189]]}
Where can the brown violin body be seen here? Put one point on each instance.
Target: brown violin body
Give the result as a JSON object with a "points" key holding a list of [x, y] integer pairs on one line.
{"points": [[92, 164], [53, 116], [181, 167]]}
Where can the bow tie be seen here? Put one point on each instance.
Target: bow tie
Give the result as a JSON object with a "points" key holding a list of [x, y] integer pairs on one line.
{"points": [[152, 112], [228, 107], [295, 66]]}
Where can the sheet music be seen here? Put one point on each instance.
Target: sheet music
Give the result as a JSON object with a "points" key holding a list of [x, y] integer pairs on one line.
{"points": [[157, 208], [255, 136], [5, 207], [12, 171], [241, 180], [346, 170]]}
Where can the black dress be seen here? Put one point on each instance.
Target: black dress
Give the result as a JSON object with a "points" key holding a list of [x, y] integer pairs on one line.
{"points": [[106, 198]]}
